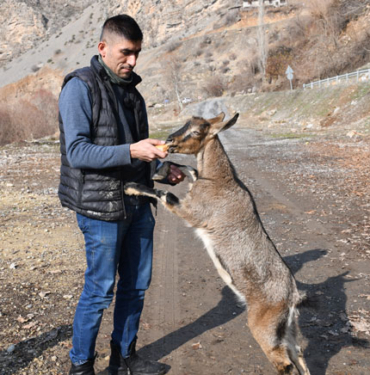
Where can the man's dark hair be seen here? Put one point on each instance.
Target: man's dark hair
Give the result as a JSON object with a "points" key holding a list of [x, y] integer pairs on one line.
{"points": [[123, 25]]}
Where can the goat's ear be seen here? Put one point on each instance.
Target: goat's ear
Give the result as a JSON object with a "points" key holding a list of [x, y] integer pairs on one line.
{"points": [[221, 126], [217, 119]]}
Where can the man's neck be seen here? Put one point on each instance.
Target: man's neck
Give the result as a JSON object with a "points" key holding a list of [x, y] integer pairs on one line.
{"points": [[114, 78]]}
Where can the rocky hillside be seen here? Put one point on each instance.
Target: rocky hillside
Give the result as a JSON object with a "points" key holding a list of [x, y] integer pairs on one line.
{"points": [[27, 23], [208, 48], [38, 27]]}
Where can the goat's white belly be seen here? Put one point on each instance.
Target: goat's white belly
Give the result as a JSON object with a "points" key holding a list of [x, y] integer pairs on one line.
{"points": [[226, 277]]}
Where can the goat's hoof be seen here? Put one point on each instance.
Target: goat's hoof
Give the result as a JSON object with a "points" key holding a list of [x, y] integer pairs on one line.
{"points": [[170, 199], [131, 188]]}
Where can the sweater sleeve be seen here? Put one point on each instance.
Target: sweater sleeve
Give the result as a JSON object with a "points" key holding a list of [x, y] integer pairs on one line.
{"points": [[76, 111]]}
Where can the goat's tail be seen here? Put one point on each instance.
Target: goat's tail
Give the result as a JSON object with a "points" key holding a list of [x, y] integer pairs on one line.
{"points": [[306, 301]]}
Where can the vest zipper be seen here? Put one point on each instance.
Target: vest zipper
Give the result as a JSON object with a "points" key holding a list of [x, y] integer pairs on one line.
{"points": [[123, 199], [82, 180]]}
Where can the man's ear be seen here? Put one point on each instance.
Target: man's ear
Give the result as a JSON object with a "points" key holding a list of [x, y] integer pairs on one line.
{"points": [[102, 47], [220, 126]]}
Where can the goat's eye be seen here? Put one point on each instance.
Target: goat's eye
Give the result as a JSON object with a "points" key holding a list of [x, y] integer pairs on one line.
{"points": [[196, 133]]}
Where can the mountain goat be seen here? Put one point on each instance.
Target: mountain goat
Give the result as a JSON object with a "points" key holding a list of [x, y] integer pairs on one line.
{"points": [[224, 215]]}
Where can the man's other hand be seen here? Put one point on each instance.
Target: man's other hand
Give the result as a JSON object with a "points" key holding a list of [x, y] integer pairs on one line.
{"points": [[145, 150], [175, 175]]}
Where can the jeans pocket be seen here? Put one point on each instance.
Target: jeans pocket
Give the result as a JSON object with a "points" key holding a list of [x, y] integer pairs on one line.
{"points": [[82, 222]]}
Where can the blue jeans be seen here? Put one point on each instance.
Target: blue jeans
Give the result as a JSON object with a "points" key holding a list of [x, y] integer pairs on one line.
{"points": [[125, 247]]}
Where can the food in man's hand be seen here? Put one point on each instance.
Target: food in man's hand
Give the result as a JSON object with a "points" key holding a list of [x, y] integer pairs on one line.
{"points": [[163, 148]]}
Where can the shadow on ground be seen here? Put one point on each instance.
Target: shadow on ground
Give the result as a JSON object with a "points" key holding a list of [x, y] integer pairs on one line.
{"points": [[326, 328], [222, 313], [26, 351]]}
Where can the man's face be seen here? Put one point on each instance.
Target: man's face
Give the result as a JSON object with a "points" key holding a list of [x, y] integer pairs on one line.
{"points": [[119, 54]]}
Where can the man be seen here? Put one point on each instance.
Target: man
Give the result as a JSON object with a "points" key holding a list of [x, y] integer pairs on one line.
{"points": [[104, 144]]}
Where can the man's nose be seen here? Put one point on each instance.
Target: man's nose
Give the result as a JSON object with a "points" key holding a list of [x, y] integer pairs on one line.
{"points": [[132, 60]]}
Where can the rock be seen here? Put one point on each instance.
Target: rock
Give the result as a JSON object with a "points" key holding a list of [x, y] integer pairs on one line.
{"points": [[353, 133], [10, 348], [196, 346], [44, 294]]}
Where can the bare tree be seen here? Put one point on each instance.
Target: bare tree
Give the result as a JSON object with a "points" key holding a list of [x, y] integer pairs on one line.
{"points": [[261, 37], [172, 73], [326, 26]]}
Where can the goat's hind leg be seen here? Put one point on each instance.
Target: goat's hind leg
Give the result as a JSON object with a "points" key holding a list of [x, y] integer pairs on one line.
{"points": [[273, 327], [294, 350]]}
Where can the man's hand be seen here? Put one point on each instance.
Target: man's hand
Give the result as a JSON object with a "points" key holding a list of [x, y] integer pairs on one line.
{"points": [[175, 175], [145, 150]]}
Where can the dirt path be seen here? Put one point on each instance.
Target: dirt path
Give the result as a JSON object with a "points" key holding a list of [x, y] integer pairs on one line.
{"points": [[313, 199]]}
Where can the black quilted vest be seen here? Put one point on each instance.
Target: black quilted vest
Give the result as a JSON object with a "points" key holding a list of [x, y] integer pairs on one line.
{"points": [[99, 193]]}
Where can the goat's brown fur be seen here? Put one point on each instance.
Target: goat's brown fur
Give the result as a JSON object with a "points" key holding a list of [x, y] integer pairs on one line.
{"points": [[223, 212]]}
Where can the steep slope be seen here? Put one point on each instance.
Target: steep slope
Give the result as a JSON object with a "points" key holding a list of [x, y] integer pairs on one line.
{"points": [[193, 49], [205, 37], [26, 23]]}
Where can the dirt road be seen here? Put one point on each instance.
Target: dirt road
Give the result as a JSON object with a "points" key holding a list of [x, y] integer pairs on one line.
{"points": [[313, 198]]}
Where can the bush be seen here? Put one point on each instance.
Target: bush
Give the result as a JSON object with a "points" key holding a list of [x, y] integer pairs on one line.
{"points": [[215, 87], [205, 42], [172, 46], [247, 79], [35, 68], [198, 52], [278, 61], [32, 119], [233, 16]]}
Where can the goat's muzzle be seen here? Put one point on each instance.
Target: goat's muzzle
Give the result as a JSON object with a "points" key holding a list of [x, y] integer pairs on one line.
{"points": [[172, 146]]}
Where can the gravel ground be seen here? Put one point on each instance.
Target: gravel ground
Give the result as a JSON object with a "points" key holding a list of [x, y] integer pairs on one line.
{"points": [[313, 197]]}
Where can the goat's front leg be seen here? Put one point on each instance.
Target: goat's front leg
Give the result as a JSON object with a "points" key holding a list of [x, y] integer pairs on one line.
{"points": [[168, 199]]}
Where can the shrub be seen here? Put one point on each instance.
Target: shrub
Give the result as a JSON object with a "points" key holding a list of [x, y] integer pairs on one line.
{"points": [[173, 45], [278, 60], [7, 133], [247, 77], [215, 86], [206, 41], [198, 52], [232, 17], [31, 119]]}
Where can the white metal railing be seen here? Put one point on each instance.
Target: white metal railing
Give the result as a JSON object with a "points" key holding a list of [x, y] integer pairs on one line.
{"points": [[255, 3], [360, 75]]}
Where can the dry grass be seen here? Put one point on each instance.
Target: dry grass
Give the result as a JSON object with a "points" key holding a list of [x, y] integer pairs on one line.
{"points": [[25, 120]]}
